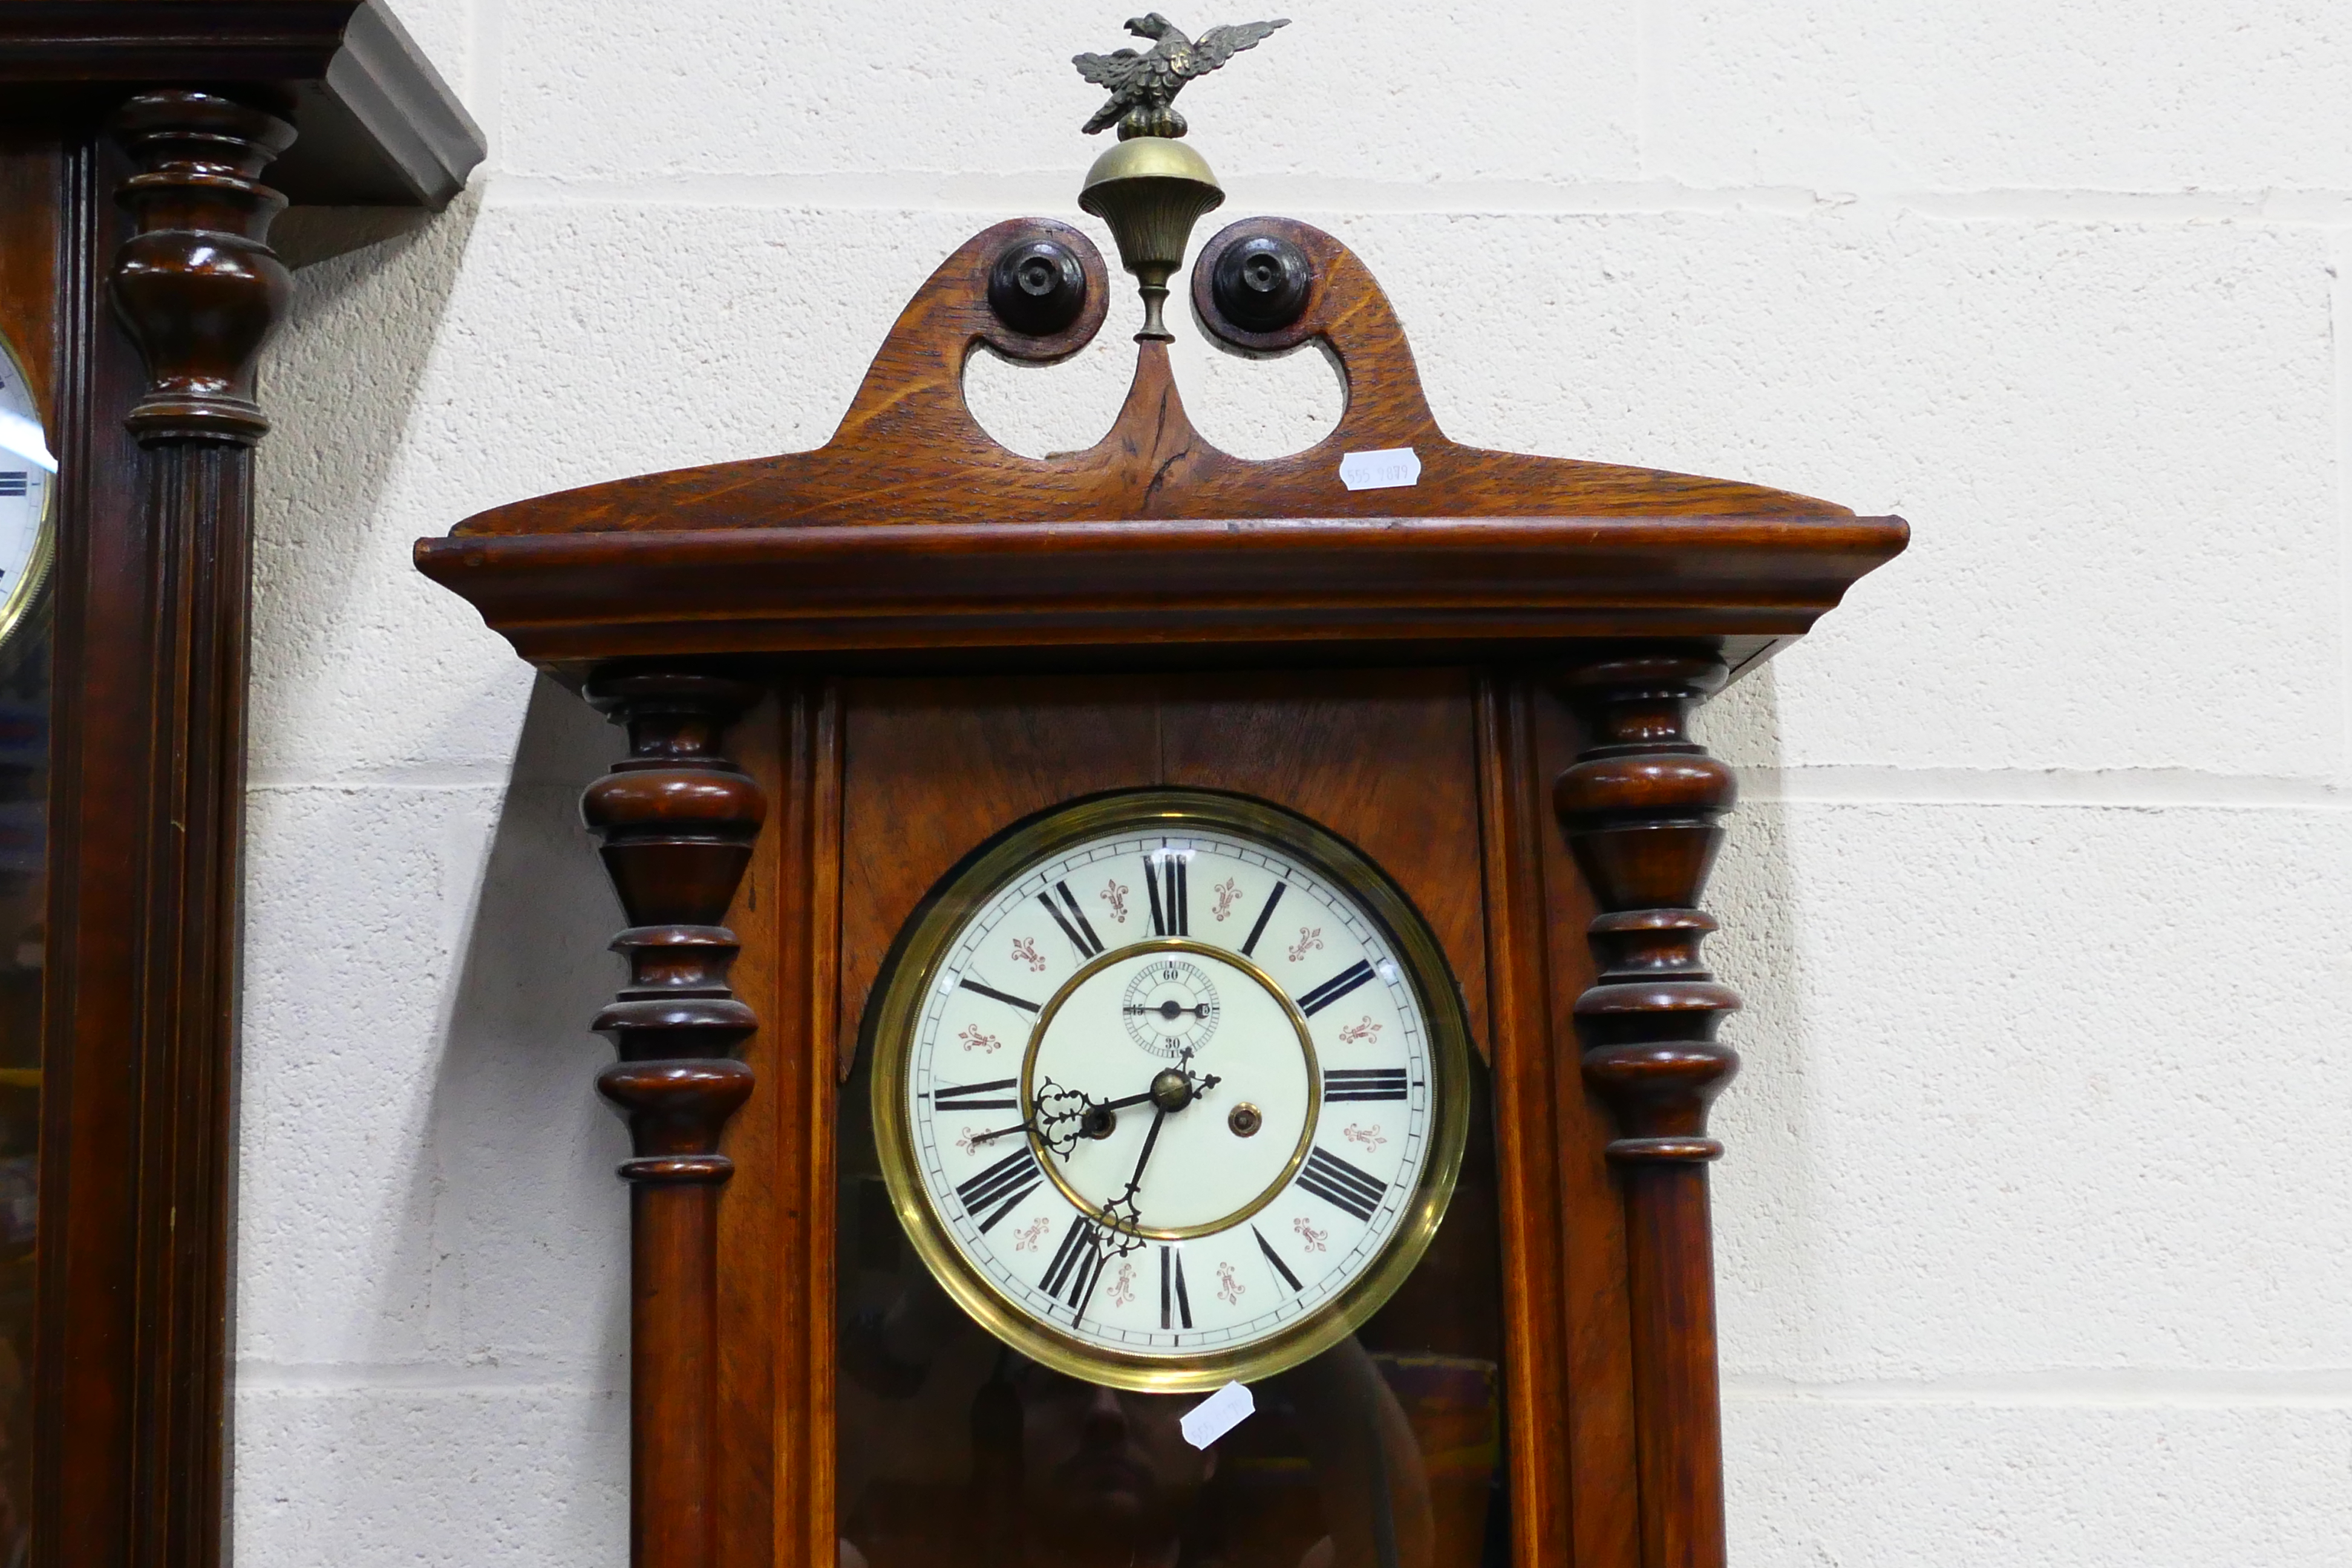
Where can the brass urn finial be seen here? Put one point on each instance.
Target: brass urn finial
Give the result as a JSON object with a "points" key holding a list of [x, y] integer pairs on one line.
{"points": [[1151, 188]]}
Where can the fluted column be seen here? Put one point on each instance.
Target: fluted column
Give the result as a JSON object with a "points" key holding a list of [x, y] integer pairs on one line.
{"points": [[1642, 807], [196, 288], [678, 820]]}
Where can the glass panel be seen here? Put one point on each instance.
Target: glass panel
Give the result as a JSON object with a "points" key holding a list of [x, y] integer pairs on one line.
{"points": [[1384, 1452], [27, 473]]}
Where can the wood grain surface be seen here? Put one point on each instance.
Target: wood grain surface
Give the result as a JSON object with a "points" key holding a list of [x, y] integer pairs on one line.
{"points": [[911, 529]]}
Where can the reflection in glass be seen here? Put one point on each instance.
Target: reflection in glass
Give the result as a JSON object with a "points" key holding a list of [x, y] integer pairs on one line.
{"points": [[1384, 1452], [24, 795], [26, 477]]}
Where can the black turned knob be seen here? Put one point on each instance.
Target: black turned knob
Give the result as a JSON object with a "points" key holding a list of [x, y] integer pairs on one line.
{"points": [[1037, 287], [1261, 283]]}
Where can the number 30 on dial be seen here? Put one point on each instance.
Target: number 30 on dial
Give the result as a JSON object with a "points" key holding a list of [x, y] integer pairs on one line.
{"points": [[1170, 1089]]}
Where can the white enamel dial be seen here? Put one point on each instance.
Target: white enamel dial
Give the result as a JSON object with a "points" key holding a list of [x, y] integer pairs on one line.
{"points": [[27, 474], [1169, 1093]]}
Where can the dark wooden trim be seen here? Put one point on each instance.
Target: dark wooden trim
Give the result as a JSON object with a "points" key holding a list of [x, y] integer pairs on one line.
{"points": [[165, 291], [147, 808], [1642, 807], [1427, 588], [1542, 1396], [379, 127], [678, 821]]}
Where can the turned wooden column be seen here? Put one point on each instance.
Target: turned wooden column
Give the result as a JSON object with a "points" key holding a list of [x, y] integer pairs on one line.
{"points": [[196, 288], [1641, 808], [678, 820]]}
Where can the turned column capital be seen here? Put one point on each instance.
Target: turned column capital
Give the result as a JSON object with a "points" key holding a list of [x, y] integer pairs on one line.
{"points": [[1642, 807], [196, 283], [677, 819]]}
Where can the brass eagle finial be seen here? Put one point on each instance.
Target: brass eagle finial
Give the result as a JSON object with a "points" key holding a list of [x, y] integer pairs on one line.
{"points": [[1142, 85]]}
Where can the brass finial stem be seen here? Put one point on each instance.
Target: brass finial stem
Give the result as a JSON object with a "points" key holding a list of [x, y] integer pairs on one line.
{"points": [[1155, 328], [1152, 190]]}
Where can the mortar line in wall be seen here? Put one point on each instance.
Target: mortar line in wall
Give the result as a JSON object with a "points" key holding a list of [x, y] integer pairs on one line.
{"points": [[456, 781], [948, 191], [2318, 1389], [408, 1377], [2133, 789]]}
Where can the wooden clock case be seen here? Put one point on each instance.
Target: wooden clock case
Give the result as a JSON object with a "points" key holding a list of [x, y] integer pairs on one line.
{"points": [[841, 670], [146, 146]]}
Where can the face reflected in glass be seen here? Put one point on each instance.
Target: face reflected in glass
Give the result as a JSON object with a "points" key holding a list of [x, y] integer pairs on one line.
{"points": [[1107, 1475]]}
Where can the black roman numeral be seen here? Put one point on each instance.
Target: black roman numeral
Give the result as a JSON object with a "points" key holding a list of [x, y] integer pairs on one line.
{"points": [[1263, 915], [1073, 925], [1071, 1275], [1331, 990], [1000, 1188], [1340, 1184], [1175, 1306], [1275, 1259], [13, 484], [1364, 1083], [979, 1097], [1164, 879], [994, 995]]}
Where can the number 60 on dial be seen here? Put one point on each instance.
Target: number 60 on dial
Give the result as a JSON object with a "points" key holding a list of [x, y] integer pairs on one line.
{"points": [[1169, 1088]]}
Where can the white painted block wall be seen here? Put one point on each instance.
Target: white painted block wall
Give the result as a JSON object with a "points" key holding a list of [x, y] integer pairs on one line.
{"points": [[2032, 1230]]}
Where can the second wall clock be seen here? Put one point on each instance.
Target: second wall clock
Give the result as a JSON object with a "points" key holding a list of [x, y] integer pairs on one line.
{"points": [[1106, 925]]}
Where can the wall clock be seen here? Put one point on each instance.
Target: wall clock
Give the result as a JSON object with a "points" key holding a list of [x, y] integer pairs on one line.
{"points": [[967, 1047], [1207, 1051], [28, 484], [141, 173]]}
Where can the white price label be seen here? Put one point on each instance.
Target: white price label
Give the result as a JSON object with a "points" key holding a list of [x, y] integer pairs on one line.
{"points": [[1386, 470], [1217, 1415]]}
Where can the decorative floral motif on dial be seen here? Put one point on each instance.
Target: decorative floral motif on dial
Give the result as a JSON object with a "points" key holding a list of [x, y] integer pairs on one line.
{"points": [[1201, 1216]]}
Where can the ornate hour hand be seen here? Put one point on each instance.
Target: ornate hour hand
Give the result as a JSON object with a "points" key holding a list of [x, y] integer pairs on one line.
{"points": [[1058, 1118]]}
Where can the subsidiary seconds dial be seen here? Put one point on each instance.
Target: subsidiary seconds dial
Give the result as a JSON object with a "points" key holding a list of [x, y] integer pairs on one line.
{"points": [[1169, 1089]]}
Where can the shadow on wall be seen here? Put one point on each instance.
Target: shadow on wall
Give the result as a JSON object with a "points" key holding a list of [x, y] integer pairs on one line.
{"points": [[373, 286], [1770, 1294], [529, 1227]]}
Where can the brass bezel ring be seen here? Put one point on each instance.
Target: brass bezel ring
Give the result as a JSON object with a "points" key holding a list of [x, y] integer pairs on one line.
{"points": [[913, 969]]}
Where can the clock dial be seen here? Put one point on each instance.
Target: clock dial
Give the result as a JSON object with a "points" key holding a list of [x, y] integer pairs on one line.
{"points": [[27, 476], [1170, 1089]]}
